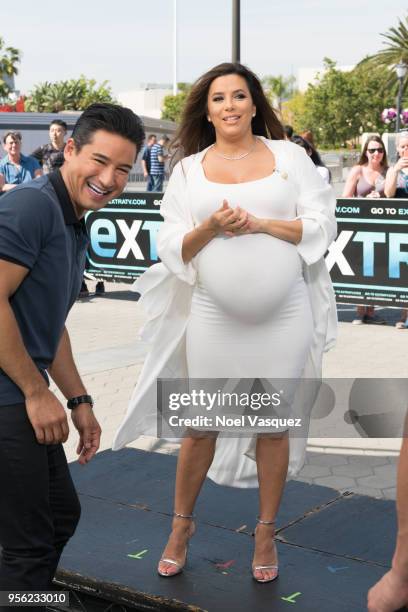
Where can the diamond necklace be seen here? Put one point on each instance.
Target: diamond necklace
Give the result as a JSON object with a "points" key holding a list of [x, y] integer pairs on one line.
{"points": [[235, 157]]}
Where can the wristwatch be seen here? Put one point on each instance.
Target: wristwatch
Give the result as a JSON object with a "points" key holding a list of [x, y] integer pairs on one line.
{"points": [[80, 399]]}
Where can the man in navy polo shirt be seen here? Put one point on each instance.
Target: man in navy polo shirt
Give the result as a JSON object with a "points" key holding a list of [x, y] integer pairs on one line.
{"points": [[42, 254]]}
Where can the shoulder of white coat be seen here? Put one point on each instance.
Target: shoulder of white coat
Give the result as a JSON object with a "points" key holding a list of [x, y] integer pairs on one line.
{"points": [[286, 150], [183, 166], [295, 151]]}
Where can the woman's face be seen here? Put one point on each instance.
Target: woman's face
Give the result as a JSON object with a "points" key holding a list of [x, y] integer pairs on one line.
{"points": [[375, 151], [402, 147], [230, 107]]}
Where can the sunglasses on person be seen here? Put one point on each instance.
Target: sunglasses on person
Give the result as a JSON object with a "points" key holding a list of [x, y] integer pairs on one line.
{"points": [[377, 149]]}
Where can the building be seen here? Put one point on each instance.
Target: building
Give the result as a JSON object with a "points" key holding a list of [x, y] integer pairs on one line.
{"points": [[146, 100]]}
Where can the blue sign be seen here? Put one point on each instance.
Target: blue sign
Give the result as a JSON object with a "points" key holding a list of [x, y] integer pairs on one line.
{"points": [[368, 260], [123, 236]]}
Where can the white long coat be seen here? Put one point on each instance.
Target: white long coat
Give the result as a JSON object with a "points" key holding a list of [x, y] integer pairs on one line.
{"points": [[166, 289]]}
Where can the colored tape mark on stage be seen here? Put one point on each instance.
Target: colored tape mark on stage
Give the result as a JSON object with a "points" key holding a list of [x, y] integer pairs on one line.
{"points": [[225, 565], [138, 555], [333, 570], [291, 598]]}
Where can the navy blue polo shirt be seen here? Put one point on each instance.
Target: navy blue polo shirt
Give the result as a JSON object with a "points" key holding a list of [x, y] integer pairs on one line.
{"points": [[39, 230]]}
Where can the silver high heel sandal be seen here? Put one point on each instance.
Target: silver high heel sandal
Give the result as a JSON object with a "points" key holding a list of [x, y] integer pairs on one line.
{"points": [[179, 566], [275, 567]]}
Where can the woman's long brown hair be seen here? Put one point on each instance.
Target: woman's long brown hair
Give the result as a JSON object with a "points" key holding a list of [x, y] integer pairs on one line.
{"points": [[363, 157], [195, 132]]}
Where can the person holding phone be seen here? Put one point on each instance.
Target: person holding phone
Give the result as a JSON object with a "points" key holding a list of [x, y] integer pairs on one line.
{"points": [[396, 181], [396, 186]]}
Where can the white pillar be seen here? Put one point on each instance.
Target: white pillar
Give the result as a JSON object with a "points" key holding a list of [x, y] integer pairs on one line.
{"points": [[174, 47]]}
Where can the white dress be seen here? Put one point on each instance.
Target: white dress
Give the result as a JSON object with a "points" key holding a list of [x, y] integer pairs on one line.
{"points": [[242, 307], [250, 314]]}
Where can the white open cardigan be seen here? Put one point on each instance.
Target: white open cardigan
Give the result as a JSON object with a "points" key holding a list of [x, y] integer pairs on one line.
{"points": [[166, 291]]}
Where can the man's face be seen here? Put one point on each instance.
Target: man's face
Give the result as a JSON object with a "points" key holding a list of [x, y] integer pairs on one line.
{"points": [[152, 141], [57, 135], [98, 172], [12, 146]]}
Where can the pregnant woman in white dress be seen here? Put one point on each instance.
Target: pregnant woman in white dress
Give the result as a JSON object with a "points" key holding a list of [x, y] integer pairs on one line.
{"points": [[243, 291]]}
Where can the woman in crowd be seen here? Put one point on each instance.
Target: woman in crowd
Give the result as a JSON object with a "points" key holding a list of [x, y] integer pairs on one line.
{"points": [[243, 291], [314, 156], [366, 180], [308, 135], [396, 186]]}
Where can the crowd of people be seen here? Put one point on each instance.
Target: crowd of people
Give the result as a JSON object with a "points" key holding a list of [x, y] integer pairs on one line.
{"points": [[243, 192], [16, 168], [372, 177]]}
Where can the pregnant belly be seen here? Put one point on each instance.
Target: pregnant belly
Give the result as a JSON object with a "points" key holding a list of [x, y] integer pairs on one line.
{"points": [[250, 276]]}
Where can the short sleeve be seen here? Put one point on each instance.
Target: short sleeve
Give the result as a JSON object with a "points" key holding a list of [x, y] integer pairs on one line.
{"points": [[38, 154], [34, 164], [316, 205], [26, 220], [177, 223]]}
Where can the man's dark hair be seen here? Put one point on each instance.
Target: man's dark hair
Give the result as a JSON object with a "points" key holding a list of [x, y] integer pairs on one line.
{"points": [[288, 129], [59, 122], [111, 118], [151, 136], [15, 135]]}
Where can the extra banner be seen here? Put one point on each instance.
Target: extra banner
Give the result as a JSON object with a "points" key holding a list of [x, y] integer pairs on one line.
{"points": [[367, 262], [123, 236]]}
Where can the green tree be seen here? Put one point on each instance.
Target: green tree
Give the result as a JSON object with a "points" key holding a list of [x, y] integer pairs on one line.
{"points": [[396, 51], [9, 58], [278, 89], [341, 105], [293, 112], [74, 94], [173, 106]]}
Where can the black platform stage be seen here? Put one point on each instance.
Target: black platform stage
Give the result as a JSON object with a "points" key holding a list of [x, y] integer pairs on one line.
{"points": [[332, 547]]}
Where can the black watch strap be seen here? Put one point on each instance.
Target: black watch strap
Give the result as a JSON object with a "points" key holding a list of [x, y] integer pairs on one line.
{"points": [[80, 399]]}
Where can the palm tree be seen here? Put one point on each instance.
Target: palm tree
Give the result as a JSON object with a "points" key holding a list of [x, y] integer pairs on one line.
{"points": [[9, 58], [396, 51], [278, 89]]}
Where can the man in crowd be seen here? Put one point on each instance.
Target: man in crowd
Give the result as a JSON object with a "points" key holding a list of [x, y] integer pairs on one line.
{"points": [[16, 168], [391, 592], [51, 155], [288, 131], [146, 161], [157, 159], [42, 252]]}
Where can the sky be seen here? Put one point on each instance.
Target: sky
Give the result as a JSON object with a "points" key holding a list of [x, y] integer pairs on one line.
{"points": [[129, 42]]}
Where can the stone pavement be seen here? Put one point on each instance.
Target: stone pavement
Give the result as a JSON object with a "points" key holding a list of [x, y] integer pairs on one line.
{"points": [[109, 355]]}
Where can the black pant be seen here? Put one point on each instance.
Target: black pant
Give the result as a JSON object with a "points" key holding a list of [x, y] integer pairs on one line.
{"points": [[39, 507]]}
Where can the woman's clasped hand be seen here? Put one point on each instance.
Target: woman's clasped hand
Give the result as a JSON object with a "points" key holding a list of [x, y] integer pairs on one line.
{"points": [[234, 221]]}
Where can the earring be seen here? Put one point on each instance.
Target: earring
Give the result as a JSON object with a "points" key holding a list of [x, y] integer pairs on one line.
{"points": [[209, 119], [254, 114]]}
